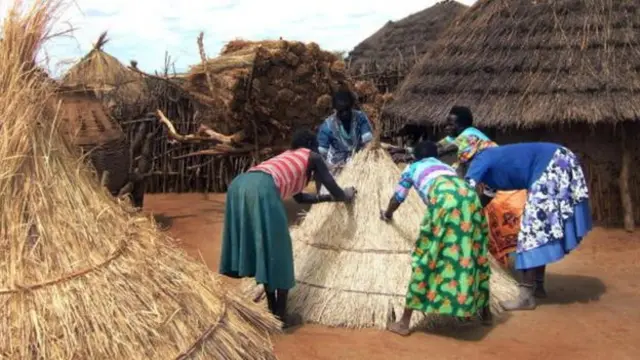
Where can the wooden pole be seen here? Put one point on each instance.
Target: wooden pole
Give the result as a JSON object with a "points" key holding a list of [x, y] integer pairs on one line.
{"points": [[623, 182]]}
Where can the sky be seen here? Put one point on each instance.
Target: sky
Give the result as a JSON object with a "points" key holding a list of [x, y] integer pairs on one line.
{"points": [[144, 30]]}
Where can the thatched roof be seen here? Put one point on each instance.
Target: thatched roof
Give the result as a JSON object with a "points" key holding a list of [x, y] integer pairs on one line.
{"points": [[401, 44], [104, 73], [83, 277], [526, 63]]}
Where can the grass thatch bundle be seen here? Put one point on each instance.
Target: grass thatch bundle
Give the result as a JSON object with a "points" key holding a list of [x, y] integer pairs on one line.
{"points": [[121, 88], [82, 277], [268, 88], [352, 269]]}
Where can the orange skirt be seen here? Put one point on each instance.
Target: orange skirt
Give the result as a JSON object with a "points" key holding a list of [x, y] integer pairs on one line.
{"points": [[503, 215]]}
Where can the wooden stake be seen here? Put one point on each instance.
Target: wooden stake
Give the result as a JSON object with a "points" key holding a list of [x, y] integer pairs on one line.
{"points": [[623, 182]]}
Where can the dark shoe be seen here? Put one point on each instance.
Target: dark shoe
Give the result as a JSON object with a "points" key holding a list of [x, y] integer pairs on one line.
{"points": [[540, 292], [291, 320], [524, 301]]}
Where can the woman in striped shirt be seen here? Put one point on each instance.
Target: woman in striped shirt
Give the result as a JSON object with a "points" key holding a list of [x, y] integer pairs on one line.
{"points": [[256, 241], [450, 265]]}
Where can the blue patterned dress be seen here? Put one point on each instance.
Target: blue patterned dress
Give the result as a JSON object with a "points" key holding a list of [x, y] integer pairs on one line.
{"points": [[557, 214]]}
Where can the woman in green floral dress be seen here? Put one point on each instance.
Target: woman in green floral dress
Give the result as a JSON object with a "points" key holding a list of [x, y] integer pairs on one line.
{"points": [[450, 265]]}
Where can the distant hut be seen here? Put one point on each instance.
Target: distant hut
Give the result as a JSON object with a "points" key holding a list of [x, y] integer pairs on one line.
{"points": [[390, 53], [564, 71], [120, 88]]}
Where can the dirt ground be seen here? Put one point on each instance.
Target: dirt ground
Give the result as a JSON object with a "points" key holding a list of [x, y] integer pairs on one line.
{"points": [[593, 309]]}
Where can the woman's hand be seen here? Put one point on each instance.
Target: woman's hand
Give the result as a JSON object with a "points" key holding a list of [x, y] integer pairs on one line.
{"points": [[350, 194], [385, 217]]}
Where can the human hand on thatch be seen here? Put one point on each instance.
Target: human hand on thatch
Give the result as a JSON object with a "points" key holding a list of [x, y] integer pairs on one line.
{"points": [[385, 217], [350, 193]]}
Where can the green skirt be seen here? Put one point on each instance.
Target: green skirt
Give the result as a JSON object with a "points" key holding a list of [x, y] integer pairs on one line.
{"points": [[256, 241], [450, 265]]}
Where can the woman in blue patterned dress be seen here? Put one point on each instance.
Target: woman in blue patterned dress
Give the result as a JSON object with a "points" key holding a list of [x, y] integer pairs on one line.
{"points": [[556, 215]]}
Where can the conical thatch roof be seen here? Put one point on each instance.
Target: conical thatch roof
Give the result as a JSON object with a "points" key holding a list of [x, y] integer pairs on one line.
{"points": [[402, 43], [526, 63], [82, 277], [105, 74], [352, 269]]}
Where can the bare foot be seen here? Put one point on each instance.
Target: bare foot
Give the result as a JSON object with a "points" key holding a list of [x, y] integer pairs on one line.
{"points": [[399, 328]]}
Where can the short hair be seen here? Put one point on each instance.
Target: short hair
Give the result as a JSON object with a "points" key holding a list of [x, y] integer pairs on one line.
{"points": [[343, 97], [425, 149], [463, 115], [304, 138]]}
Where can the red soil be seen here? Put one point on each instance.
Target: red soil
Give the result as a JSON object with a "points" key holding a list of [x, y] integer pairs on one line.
{"points": [[593, 310]]}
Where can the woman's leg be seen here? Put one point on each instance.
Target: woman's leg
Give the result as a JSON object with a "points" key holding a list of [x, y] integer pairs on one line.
{"points": [[540, 292], [281, 310], [271, 301], [401, 327], [525, 299]]}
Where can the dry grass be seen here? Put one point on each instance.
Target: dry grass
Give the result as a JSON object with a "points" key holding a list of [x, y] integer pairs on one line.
{"points": [[523, 63], [82, 277], [398, 46], [352, 269], [109, 78]]}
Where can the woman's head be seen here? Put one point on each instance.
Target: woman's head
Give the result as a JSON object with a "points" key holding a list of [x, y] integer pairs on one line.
{"points": [[459, 119], [343, 103], [304, 139], [425, 149]]}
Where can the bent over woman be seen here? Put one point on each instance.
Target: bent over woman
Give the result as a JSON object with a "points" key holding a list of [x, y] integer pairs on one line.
{"points": [[256, 241], [449, 264], [556, 215]]}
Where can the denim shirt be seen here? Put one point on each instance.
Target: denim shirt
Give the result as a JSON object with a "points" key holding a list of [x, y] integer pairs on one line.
{"points": [[335, 145]]}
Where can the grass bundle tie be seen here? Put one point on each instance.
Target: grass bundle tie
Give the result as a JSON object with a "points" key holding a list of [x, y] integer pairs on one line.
{"points": [[25, 288], [364, 251], [351, 290], [205, 335]]}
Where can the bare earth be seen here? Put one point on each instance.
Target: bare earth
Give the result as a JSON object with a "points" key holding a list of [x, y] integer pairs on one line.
{"points": [[593, 310]]}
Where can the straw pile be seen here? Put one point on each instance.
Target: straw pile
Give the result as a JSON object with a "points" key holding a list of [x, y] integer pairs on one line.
{"points": [[352, 269], [268, 88], [82, 277]]}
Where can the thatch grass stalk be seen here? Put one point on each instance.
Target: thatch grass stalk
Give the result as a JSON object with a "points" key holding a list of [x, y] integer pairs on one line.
{"points": [[83, 278]]}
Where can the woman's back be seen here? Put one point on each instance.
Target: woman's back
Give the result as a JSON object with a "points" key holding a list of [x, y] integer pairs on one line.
{"points": [[513, 166]]}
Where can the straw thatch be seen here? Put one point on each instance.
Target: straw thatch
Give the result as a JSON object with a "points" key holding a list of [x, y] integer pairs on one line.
{"points": [[352, 269], [82, 277], [400, 45], [524, 63], [122, 89]]}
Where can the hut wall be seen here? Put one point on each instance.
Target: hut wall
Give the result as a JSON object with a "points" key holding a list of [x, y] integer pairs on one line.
{"points": [[599, 150], [201, 173]]}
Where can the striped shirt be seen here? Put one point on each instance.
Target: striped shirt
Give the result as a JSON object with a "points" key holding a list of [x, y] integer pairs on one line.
{"points": [[421, 175], [288, 170]]}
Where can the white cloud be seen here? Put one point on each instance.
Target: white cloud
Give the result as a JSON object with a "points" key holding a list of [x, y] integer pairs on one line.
{"points": [[144, 29]]}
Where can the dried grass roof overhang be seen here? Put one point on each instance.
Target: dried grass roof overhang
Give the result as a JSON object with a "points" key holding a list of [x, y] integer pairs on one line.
{"points": [[524, 63], [405, 41], [102, 72], [82, 276]]}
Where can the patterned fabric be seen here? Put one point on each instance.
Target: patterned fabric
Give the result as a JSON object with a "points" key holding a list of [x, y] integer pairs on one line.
{"points": [[421, 175], [336, 145], [289, 171], [469, 142], [551, 201], [504, 214], [450, 266]]}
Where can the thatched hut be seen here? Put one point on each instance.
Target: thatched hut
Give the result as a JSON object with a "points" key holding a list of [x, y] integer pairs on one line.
{"points": [[83, 278], [123, 91], [564, 71], [387, 56]]}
